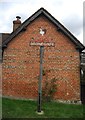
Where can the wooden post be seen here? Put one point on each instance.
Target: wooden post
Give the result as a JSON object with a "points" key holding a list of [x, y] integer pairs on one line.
{"points": [[40, 79]]}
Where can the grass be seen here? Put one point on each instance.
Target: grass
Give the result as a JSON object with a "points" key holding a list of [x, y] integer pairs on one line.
{"points": [[27, 109], [0, 107]]}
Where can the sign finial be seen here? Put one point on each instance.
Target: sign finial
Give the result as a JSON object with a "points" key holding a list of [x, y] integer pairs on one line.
{"points": [[42, 31]]}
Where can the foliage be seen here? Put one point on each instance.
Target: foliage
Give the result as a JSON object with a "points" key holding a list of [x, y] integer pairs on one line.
{"points": [[43, 72], [49, 88]]}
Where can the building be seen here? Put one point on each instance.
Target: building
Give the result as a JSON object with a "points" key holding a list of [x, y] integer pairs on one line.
{"points": [[83, 77], [61, 59]]}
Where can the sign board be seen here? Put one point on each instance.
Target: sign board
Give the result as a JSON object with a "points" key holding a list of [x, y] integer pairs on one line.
{"points": [[42, 44]]}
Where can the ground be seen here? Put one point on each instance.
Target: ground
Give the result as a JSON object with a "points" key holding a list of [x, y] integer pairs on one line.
{"points": [[27, 109]]}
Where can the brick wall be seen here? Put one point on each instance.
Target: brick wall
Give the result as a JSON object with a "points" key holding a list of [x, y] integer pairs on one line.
{"points": [[21, 63]]}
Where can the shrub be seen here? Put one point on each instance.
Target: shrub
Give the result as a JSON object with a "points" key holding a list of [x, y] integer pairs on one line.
{"points": [[48, 90]]}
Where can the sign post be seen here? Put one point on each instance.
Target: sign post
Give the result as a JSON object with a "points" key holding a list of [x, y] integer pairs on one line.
{"points": [[42, 43], [40, 79]]}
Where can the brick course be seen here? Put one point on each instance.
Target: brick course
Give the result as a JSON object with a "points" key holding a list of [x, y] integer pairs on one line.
{"points": [[21, 63]]}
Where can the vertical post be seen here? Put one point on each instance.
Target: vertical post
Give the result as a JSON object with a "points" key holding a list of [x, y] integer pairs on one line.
{"points": [[40, 79]]}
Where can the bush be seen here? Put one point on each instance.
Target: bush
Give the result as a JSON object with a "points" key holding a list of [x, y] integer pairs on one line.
{"points": [[48, 90]]}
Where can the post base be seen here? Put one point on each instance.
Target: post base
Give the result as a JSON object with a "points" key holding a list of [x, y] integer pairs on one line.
{"points": [[40, 113]]}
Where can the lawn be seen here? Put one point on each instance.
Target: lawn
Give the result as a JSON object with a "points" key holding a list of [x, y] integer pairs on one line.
{"points": [[0, 107], [27, 109]]}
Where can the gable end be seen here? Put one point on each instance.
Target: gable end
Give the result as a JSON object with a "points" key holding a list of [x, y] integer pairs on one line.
{"points": [[41, 11]]}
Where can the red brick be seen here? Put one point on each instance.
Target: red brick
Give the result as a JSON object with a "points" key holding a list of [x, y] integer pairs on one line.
{"points": [[21, 63]]}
